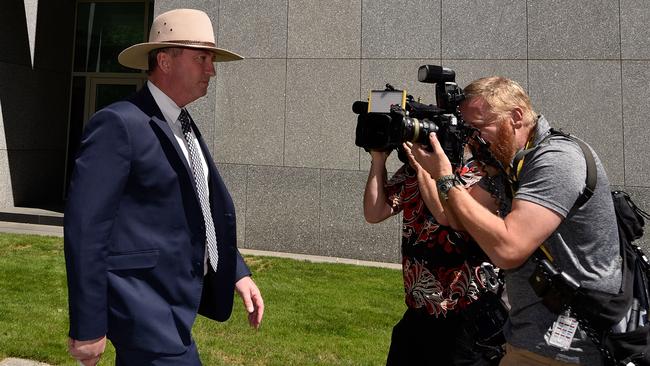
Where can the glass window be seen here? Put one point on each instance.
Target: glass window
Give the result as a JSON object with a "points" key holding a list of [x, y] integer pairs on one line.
{"points": [[106, 94], [104, 29]]}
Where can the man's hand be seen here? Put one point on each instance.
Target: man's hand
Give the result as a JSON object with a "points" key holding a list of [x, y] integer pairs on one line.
{"points": [[253, 301], [408, 146], [435, 162], [87, 352]]}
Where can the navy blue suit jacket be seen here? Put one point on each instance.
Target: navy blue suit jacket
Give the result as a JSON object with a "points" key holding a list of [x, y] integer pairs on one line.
{"points": [[135, 236]]}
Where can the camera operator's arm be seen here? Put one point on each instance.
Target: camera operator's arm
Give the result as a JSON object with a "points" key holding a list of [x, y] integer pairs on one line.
{"points": [[428, 190], [375, 202], [476, 192], [509, 242], [430, 196]]}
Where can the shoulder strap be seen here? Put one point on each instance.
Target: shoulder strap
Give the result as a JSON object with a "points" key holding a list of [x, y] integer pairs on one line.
{"points": [[591, 178]]}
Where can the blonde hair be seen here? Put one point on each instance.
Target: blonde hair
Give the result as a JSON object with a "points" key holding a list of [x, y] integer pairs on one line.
{"points": [[502, 95]]}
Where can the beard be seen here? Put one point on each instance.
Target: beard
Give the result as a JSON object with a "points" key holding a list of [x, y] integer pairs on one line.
{"points": [[504, 148]]}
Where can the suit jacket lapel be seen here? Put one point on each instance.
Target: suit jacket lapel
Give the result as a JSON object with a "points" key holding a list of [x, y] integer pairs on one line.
{"points": [[164, 126], [144, 100]]}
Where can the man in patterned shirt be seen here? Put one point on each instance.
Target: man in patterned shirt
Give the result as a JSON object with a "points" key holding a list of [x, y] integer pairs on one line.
{"points": [[439, 266]]}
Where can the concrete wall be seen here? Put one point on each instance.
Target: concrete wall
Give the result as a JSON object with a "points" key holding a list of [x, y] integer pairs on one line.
{"points": [[280, 123], [282, 127], [34, 99]]}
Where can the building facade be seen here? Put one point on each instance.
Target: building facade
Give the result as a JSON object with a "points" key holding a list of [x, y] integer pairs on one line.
{"points": [[280, 123]]}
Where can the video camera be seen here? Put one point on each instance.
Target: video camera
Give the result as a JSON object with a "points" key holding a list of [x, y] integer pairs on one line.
{"points": [[391, 117]]}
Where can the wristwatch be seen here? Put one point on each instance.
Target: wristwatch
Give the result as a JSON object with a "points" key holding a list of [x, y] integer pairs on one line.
{"points": [[445, 183]]}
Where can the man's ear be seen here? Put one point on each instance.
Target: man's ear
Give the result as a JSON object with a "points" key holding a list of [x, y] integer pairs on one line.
{"points": [[517, 115], [163, 61]]}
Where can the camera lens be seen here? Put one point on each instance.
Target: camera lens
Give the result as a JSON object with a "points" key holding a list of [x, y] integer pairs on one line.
{"points": [[417, 130]]}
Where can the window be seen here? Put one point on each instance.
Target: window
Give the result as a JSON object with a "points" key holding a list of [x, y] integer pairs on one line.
{"points": [[102, 30]]}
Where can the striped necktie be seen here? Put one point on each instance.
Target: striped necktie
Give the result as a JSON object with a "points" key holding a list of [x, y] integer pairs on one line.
{"points": [[201, 188]]}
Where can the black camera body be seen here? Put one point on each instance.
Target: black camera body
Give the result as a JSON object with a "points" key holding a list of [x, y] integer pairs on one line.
{"points": [[557, 289], [386, 130]]}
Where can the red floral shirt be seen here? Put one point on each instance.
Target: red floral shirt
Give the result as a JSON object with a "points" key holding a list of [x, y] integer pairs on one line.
{"points": [[439, 263]]}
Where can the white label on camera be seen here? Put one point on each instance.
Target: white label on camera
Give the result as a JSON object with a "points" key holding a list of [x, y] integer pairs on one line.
{"points": [[563, 331]]}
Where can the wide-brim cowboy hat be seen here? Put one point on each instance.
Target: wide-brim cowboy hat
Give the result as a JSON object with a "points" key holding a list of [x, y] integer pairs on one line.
{"points": [[187, 28]]}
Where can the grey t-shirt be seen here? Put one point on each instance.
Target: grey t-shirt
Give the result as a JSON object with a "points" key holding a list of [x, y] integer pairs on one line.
{"points": [[585, 245]]}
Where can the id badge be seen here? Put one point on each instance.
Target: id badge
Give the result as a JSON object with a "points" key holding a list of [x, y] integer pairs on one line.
{"points": [[563, 331]]}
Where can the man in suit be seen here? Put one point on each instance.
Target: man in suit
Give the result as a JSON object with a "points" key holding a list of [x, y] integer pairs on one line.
{"points": [[150, 237]]}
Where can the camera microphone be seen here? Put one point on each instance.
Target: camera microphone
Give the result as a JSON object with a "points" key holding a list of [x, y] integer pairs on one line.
{"points": [[435, 74], [360, 107]]}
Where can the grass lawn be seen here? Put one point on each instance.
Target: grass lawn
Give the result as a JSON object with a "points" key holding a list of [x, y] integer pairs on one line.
{"points": [[316, 314]]}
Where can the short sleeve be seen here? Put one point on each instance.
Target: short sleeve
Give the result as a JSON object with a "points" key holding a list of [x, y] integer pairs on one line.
{"points": [[553, 176]]}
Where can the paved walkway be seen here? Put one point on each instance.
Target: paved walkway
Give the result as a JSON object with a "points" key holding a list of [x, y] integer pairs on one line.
{"points": [[20, 362], [19, 228]]}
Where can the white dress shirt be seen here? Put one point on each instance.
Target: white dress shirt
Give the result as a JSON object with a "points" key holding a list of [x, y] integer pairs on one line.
{"points": [[171, 111]]}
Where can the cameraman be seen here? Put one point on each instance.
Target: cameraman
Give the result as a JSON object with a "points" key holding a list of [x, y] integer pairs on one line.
{"points": [[439, 266], [583, 242]]}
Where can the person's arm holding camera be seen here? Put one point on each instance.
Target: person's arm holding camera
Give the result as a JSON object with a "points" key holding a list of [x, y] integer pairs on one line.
{"points": [[375, 203], [510, 241], [429, 193], [428, 190]]}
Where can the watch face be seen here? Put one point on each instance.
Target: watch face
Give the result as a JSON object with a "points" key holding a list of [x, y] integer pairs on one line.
{"points": [[451, 183], [444, 186]]}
